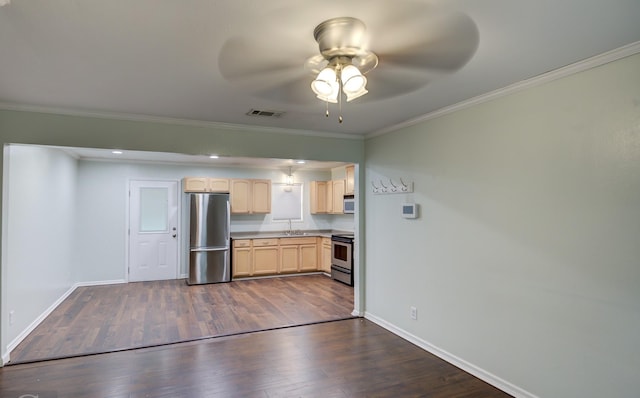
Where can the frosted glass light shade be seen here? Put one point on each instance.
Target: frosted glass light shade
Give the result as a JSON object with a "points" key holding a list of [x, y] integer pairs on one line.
{"points": [[323, 85], [352, 80], [357, 94]]}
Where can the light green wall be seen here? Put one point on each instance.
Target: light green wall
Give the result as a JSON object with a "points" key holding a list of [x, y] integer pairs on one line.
{"points": [[525, 262], [20, 127], [189, 138]]}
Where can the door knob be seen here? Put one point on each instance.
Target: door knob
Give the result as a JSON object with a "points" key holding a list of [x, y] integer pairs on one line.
{"points": [[174, 235]]}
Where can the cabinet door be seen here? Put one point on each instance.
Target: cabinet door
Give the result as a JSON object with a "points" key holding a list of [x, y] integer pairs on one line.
{"points": [[338, 196], [218, 185], [308, 257], [349, 188], [241, 261], [329, 196], [288, 258], [195, 184], [261, 196], [240, 196], [318, 197], [325, 265], [265, 260]]}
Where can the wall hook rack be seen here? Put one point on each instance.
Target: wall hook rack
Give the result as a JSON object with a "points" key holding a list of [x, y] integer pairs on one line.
{"points": [[390, 186]]}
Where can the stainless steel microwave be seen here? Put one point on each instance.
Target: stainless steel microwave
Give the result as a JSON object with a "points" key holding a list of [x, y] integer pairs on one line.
{"points": [[349, 204]]}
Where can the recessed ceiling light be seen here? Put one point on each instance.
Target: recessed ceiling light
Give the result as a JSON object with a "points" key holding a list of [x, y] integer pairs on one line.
{"points": [[116, 152], [213, 156], [300, 161]]}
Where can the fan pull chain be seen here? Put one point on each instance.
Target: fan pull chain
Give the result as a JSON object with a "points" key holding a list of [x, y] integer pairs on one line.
{"points": [[326, 114], [339, 103]]}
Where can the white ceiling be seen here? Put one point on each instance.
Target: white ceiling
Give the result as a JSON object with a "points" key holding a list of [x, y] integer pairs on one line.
{"points": [[162, 59]]}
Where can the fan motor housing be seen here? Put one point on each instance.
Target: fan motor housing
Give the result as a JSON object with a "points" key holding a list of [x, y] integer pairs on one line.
{"points": [[342, 36]]}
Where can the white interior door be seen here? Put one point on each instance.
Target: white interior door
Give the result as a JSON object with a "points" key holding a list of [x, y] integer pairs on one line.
{"points": [[153, 230]]}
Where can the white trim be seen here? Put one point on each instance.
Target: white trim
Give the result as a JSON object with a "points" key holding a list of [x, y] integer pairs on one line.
{"points": [[99, 283], [476, 371], [174, 121], [36, 322], [571, 69], [22, 335]]}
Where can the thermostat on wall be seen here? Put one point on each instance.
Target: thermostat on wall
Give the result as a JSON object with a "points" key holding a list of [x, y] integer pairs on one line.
{"points": [[409, 210]]}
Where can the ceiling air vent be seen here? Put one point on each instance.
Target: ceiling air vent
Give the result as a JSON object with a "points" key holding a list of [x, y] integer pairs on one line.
{"points": [[263, 113]]}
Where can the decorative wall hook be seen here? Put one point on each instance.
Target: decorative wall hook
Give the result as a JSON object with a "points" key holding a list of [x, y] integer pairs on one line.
{"points": [[394, 187], [375, 188]]}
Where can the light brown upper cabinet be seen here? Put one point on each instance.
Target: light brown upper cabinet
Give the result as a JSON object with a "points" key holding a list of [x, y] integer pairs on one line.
{"points": [[250, 196], [205, 184], [318, 197], [349, 188], [338, 196], [327, 197]]}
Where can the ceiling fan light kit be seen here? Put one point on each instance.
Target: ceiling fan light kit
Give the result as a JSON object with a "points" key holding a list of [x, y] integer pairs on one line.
{"points": [[343, 61]]}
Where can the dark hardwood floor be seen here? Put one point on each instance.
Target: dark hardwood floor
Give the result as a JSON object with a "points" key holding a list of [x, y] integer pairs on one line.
{"points": [[347, 358], [109, 318]]}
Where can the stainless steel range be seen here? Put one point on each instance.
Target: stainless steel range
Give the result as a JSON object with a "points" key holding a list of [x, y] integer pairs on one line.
{"points": [[342, 258]]}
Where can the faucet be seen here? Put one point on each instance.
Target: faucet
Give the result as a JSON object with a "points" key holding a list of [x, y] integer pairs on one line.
{"points": [[290, 229]]}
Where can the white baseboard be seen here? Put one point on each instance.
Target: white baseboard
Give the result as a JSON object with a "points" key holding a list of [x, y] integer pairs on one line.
{"points": [[476, 371], [99, 283], [14, 343], [6, 357]]}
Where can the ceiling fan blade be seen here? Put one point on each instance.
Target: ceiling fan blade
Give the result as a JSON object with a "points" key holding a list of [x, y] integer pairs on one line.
{"points": [[445, 44], [392, 81], [246, 62], [294, 91]]}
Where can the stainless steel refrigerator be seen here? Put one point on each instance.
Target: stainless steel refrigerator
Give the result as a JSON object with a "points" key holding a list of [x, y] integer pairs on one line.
{"points": [[209, 247]]}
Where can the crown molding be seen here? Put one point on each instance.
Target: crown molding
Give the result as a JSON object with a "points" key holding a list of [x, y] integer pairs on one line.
{"points": [[571, 69], [173, 121]]}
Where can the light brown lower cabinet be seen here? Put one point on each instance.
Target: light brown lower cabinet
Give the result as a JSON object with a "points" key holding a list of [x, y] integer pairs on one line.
{"points": [[325, 255], [242, 254], [265, 256], [308, 257], [252, 257], [289, 258]]}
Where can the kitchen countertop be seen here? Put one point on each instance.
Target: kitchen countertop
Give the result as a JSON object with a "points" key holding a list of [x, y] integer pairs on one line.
{"points": [[325, 233]]}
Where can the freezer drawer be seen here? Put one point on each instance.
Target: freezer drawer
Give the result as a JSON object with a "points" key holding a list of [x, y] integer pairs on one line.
{"points": [[342, 275], [209, 266]]}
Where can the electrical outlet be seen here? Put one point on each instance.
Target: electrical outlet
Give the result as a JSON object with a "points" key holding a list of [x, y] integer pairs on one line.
{"points": [[11, 317], [413, 313]]}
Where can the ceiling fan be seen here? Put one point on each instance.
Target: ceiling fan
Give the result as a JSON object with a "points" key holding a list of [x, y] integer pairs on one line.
{"points": [[371, 51]]}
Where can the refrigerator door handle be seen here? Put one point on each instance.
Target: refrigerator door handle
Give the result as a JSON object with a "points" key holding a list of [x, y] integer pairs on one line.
{"points": [[228, 220], [210, 249]]}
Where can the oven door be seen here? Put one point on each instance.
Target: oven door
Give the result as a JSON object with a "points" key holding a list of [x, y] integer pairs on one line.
{"points": [[341, 254]]}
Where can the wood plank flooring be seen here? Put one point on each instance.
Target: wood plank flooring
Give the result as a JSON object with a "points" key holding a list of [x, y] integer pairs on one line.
{"points": [[347, 358], [109, 318]]}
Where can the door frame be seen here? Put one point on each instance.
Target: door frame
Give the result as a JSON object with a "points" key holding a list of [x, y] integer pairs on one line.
{"points": [[127, 232]]}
